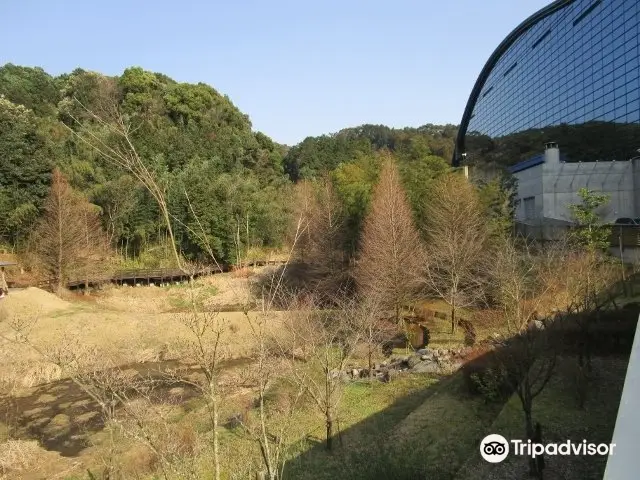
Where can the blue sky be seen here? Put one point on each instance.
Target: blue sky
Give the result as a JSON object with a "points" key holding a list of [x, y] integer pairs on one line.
{"points": [[297, 68]]}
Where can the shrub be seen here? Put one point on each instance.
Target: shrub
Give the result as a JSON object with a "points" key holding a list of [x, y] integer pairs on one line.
{"points": [[485, 375], [491, 383]]}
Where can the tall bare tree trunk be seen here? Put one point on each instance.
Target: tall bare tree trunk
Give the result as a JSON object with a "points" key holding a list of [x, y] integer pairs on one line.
{"points": [[329, 422], [453, 315], [216, 439]]}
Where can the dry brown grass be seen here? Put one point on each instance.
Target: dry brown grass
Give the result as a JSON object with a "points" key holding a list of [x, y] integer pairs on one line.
{"points": [[127, 325], [18, 455], [241, 272], [139, 460], [26, 460]]}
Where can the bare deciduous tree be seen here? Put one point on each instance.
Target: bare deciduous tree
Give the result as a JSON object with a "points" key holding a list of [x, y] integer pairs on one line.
{"points": [[113, 390], [582, 281], [321, 241], [456, 244], [375, 330], [273, 424], [317, 345], [517, 285], [522, 282], [529, 358], [115, 144], [69, 241], [207, 348], [391, 257]]}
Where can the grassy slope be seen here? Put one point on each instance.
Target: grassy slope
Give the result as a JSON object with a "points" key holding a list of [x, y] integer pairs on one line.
{"points": [[556, 410], [420, 427], [435, 431], [427, 433]]}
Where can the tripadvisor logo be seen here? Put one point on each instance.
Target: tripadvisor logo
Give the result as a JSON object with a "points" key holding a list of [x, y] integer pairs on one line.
{"points": [[495, 448]]}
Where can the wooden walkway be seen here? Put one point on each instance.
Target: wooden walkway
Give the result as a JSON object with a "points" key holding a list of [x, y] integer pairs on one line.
{"points": [[160, 276]]}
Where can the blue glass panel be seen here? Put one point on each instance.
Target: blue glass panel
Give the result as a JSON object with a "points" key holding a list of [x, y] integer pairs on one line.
{"points": [[560, 73]]}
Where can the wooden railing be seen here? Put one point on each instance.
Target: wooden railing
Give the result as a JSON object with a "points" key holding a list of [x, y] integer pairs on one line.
{"points": [[141, 276], [148, 276], [159, 275]]}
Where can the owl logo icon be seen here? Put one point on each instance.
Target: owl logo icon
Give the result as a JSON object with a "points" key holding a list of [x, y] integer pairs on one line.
{"points": [[494, 448]]}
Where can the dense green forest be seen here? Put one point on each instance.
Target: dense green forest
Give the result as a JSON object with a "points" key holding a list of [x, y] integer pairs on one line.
{"points": [[226, 185]]}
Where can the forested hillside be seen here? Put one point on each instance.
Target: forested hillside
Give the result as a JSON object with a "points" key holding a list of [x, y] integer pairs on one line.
{"points": [[190, 135], [219, 176]]}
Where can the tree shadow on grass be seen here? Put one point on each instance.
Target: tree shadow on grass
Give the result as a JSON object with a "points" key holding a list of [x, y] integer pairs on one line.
{"points": [[432, 432], [62, 416]]}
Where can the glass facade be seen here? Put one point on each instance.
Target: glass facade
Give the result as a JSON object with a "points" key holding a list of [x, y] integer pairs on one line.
{"points": [[572, 77]]}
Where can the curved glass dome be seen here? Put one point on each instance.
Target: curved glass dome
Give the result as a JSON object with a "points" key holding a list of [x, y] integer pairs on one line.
{"points": [[569, 74]]}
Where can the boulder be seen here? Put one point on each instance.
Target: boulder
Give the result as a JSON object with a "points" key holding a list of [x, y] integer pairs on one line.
{"points": [[427, 367], [399, 363], [413, 361]]}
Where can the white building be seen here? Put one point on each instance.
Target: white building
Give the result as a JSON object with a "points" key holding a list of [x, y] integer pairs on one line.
{"points": [[547, 186]]}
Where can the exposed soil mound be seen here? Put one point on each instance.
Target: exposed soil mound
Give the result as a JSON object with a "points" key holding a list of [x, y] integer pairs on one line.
{"points": [[31, 301]]}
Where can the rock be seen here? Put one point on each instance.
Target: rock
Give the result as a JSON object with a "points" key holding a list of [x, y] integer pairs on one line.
{"points": [[425, 357], [58, 425], [423, 351], [355, 373], [427, 367], [399, 363], [413, 361]]}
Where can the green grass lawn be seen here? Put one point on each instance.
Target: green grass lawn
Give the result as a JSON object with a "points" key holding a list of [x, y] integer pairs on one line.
{"points": [[561, 419], [426, 431]]}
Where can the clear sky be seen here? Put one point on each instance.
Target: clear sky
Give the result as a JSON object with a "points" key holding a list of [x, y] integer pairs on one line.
{"points": [[298, 68]]}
